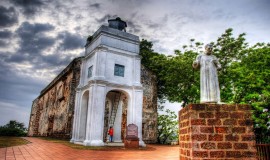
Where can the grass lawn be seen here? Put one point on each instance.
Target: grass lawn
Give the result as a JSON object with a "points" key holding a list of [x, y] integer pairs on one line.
{"points": [[101, 148], [6, 141]]}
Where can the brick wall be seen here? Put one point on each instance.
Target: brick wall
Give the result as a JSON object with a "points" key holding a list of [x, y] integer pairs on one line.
{"points": [[52, 110], [216, 131], [149, 119]]}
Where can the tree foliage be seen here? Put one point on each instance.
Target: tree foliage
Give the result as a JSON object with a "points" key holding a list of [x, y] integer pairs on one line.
{"points": [[13, 128], [244, 77], [251, 85], [167, 127]]}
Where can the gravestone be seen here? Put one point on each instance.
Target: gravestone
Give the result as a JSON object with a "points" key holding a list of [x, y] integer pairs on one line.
{"points": [[132, 140]]}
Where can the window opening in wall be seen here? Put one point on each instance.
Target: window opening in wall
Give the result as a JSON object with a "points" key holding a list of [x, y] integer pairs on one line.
{"points": [[119, 70], [90, 69]]}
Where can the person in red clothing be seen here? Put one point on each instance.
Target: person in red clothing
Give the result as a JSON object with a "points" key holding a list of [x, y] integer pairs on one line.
{"points": [[110, 132]]}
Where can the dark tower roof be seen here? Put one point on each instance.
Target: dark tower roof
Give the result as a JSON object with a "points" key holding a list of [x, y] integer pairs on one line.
{"points": [[117, 23]]}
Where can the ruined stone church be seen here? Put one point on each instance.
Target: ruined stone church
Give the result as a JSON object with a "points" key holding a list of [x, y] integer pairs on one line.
{"points": [[106, 87]]}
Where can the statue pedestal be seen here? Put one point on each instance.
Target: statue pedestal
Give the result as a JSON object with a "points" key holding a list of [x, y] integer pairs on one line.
{"points": [[132, 143], [132, 140], [216, 131]]}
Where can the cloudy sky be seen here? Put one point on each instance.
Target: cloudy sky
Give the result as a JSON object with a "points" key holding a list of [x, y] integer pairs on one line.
{"points": [[38, 38]]}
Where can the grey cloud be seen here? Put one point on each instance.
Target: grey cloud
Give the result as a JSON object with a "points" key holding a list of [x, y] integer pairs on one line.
{"points": [[35, 45], [103, 19], [33, 37], [8, 16], [32, 42], [3, 43], [27, 28], [44, 42], [70, 41], [4, 55], [54, 60], [154, 25], [5, 34], [15, 84], [11, 111], [131, 24], [218, 13], [95, 5], [17, 87], [30, 7], [133, 27], [17, 58]]}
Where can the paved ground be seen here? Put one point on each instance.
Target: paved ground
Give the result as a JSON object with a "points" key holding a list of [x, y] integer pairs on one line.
{"points": [[43, 150]]}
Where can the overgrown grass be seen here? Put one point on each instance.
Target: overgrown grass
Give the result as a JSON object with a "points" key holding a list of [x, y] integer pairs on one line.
{"points": [[6, 141]]}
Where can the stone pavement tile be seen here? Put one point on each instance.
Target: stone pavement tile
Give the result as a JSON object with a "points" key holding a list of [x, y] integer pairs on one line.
{"points": [[19, 156], [45, 150], [38, 158], [27, 156], [3, 153], [10, 156]]}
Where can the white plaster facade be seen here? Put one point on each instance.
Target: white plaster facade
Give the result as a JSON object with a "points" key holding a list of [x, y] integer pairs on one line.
{"points": [[108, 47]]}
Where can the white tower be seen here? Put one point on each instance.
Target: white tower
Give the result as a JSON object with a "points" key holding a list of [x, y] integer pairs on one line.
{"points": [[110, 92]]}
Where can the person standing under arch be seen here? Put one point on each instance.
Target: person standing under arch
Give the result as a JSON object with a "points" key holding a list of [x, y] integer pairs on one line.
{"points": [[110, 133]]}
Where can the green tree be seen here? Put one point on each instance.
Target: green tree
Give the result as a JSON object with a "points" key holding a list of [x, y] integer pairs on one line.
{"points": [[228, 50], [13, 128], [244, 77], [157, 63], [175, 83], [181, 84], [167, 127], [252, 86]]}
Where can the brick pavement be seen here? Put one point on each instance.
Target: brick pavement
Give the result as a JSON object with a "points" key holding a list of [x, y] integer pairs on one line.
{"points": [[43, 150]]}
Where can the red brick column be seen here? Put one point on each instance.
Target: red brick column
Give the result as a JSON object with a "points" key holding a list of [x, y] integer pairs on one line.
{"points": [[216, 131]]}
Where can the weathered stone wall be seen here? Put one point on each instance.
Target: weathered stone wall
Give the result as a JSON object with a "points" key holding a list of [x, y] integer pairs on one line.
{"points": [[149, 82], [215, 131], [53, 110]]}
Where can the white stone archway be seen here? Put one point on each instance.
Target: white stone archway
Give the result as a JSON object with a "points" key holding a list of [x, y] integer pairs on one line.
{"points": [[111, 63], [115, 114]]}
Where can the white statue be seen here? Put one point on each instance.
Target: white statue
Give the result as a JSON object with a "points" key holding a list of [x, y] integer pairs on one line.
{"points": [[208, 65]]}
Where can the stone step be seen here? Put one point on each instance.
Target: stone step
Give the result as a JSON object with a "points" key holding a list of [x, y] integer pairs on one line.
{"points": [[114, 144]]}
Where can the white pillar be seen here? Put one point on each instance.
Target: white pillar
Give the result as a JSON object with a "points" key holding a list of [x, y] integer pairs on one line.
{"points": [[138, 95], [130, 109], [87, 139], [118, 123], [74, 121], [95, 122], [83, 115], [76, 117]]}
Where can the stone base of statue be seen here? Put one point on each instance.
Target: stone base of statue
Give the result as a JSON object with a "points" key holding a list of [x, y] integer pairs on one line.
{"points": [[216, 131], [132, 142]]}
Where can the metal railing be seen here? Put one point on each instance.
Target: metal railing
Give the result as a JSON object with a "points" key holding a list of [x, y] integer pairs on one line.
{"points": [[263, 151]]}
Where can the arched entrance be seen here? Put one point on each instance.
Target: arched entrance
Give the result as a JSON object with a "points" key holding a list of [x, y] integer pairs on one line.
{"points": [[115, 115], [83, 115]]}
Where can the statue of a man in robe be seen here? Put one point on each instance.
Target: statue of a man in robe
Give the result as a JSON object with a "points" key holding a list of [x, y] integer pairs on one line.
{"points": [[208, 65]]}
